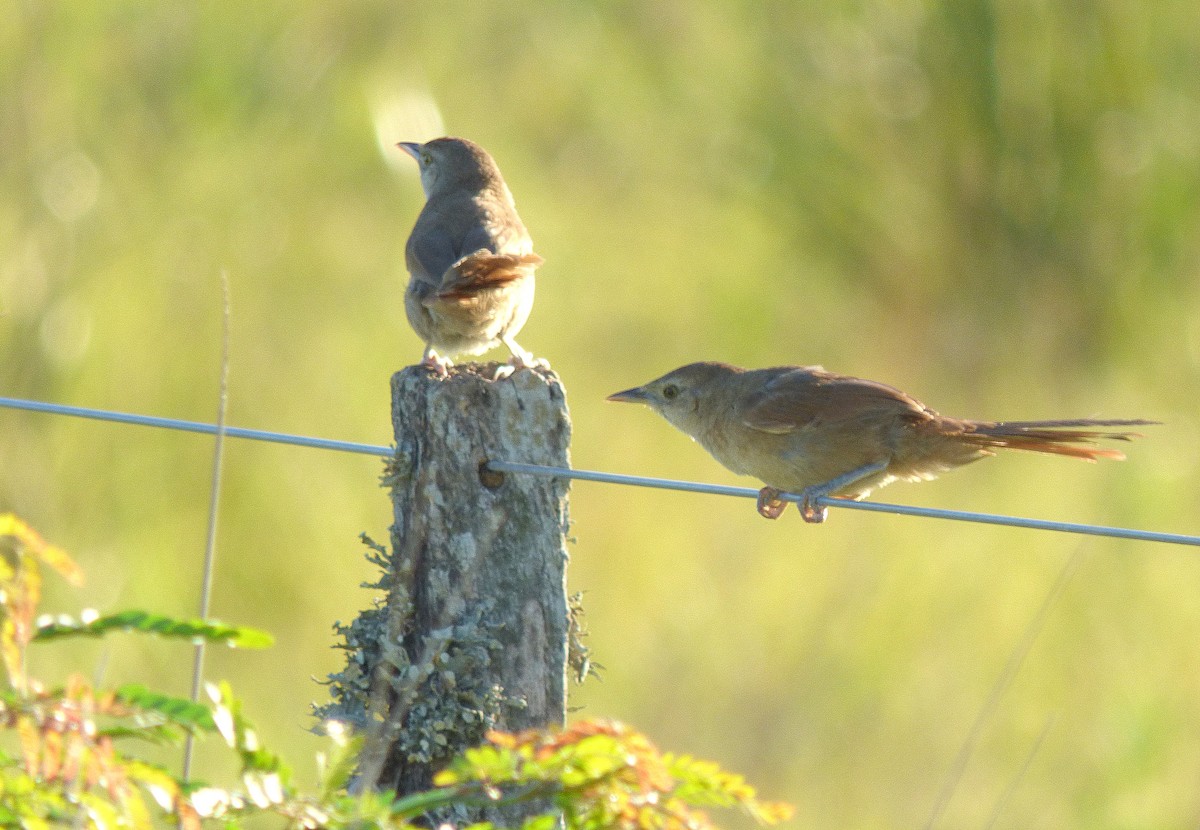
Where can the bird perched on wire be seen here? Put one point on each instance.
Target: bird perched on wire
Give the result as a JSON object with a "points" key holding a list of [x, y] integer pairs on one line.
{"points": [[802, 430], [469, 256]]}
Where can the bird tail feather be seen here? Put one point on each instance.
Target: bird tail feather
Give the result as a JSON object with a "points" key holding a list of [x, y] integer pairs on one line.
{"points": [[484, 269], [1070, 438]]}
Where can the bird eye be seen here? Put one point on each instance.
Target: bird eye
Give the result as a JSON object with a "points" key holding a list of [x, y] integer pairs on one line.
{"points": [[426, 158], [670, 391]]}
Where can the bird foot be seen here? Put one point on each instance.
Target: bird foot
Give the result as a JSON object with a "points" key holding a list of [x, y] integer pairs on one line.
{"points": [[809, 510], [439, 365], [772, 507], [769, 503], [530, 362], [520, 360]]}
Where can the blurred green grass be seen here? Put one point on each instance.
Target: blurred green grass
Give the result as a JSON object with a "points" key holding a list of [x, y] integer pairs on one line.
{"points": [[991, 205]]}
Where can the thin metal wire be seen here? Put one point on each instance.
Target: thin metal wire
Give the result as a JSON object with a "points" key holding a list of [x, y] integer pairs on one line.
{"points": [[873, 506], [194, 426], [609, 478]]}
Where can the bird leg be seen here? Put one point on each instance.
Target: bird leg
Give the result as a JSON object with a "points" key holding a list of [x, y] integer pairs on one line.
{"points": [[432, 360], [815, 514]]}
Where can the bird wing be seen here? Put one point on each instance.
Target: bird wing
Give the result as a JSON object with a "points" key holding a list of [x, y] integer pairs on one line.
{"points": [[808, 396], [428, 255]]}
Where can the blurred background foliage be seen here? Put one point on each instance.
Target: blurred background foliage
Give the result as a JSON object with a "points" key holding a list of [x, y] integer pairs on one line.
{"points": [[991, 205]]}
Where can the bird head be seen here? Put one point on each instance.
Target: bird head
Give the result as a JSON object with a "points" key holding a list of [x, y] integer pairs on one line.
{"points": [[452, 163], [685, 396]]}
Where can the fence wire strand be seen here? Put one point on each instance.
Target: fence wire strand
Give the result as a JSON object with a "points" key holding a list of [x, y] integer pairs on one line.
{"points": [[502, 466]]}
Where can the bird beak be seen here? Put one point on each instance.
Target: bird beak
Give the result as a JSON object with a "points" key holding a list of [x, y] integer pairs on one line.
{"points": [[412, 149], [636, 395]]}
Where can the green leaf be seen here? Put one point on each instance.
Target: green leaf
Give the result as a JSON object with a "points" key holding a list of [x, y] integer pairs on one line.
{"points": [[145, 622], [176, 710], [162, 734]]}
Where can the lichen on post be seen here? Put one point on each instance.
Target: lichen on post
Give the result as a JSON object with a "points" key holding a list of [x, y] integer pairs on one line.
{"points": [[474, 629]]}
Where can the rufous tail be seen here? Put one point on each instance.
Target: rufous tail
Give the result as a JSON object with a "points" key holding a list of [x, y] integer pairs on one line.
{"points": [[482, 270], [1070, 438]]}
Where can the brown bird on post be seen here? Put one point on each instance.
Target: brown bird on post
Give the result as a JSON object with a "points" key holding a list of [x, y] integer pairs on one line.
{"points": [[469, 256], [803, 430]]}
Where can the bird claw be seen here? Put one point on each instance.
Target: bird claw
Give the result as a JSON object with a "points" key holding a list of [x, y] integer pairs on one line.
{"points": [[522, 359], [770, 505], [810, 511], [439, 365], [530, 362], [519, 360]]}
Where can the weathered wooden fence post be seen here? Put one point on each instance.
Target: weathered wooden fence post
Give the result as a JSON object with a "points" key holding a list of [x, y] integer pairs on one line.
{"points": [[474, 631]]}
